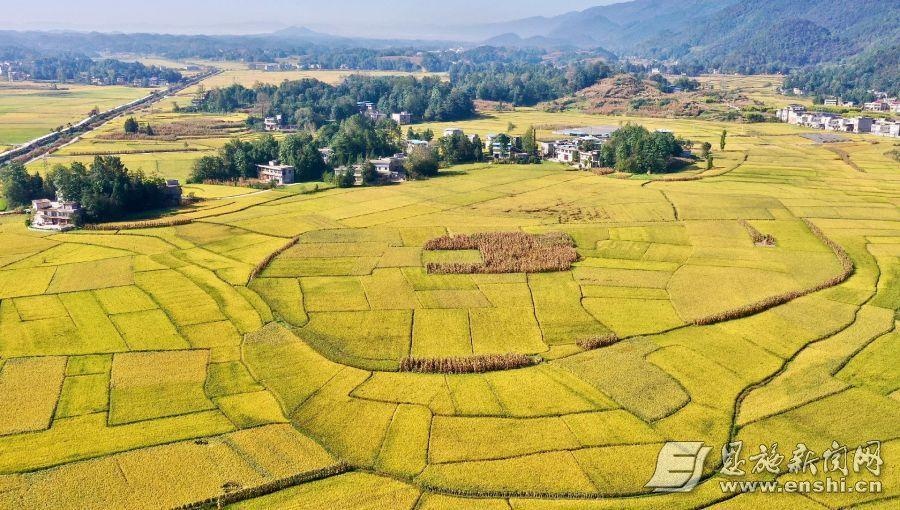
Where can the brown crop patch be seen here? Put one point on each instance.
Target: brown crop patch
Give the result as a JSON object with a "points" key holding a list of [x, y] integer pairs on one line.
{"points": [[468, 365], [598, 342], [507, 252]]}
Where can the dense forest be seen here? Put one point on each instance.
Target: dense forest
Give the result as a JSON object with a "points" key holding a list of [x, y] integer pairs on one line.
{"points": [[525, 84], [634, 149]]}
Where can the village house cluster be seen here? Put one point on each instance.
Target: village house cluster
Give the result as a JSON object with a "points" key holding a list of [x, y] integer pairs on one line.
{"points": [[798, 115], [581, 148]]}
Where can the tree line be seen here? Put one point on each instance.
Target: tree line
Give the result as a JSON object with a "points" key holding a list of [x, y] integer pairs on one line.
{"points": [[312, 103], [75, 67]]}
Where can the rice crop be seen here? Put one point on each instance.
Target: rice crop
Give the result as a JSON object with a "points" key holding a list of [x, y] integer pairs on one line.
{"points": [[846, 271]]}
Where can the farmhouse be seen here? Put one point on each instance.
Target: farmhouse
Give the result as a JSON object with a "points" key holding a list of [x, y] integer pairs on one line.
{"points": [[877, 106], [567, 153], [272, 123], [327, 153], [55, 215], [886, 128], [453, 132], [588, 159], [402, 118], [391, 169], [276, 173], [172, 190], [797, 115], [548, 149]]}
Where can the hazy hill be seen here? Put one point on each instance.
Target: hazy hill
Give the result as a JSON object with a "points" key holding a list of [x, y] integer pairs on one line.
{"points": [[762, 35]]}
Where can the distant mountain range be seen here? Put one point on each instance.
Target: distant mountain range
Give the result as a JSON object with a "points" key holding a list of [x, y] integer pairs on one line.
{"points": [[727, 33]]}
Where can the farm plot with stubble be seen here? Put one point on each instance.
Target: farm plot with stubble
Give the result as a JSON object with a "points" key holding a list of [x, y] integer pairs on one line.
{"points": [[498, 337]]}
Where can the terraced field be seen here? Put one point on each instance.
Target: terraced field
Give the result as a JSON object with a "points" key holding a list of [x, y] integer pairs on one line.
{"points": [[131, 358]]}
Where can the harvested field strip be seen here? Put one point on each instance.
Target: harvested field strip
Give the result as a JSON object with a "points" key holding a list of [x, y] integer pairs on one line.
{"points": [[845, 157], [468, 365], [137, 225], [263, 264], [597, 342]]}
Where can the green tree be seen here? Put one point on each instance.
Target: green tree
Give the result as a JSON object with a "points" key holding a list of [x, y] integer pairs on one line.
{"points": [[722, 140], [529, 141], [309, 165], [369, 173], [347, 179], [131, 125], [709, 161], [704, 149], [421, 162], [208, 168], [20, 187]]}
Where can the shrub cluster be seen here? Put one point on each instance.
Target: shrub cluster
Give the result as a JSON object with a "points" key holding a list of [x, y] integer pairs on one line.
{"points": [[759, 306], [507, 252], [597, 342], [758, 237], [467, 365]]}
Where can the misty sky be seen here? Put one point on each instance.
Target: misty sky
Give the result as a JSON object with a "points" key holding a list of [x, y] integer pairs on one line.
{"points": [[345, 17]]}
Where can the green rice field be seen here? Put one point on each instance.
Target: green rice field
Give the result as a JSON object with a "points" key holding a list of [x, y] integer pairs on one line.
{"points": [[29, 110]]}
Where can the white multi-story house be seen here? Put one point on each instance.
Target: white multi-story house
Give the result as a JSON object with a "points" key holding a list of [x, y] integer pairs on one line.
{"points": [[54, 215], [884, 127], [567, 153], [274, 172], [876, 106]]}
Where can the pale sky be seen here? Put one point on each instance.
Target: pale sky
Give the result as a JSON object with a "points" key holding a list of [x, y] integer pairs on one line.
{"points": [[345, 17]]}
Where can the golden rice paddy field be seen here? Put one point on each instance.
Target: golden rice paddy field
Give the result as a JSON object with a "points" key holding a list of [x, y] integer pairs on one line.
{"points": [[174, 365], [29, 110]]}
